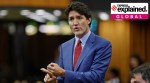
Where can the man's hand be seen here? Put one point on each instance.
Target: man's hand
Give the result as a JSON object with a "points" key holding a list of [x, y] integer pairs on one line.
{"points": [[56, 69], [49, 77]]}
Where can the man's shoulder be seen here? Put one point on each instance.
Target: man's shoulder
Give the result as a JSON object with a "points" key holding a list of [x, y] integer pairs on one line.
{"points": [[70, 41], [101, 40]]}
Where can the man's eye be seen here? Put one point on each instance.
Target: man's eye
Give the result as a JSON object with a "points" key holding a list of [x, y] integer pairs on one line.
{"points": [[70, 19], [79, 17]]}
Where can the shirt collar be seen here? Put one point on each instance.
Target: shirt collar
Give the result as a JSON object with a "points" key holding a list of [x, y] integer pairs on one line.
{"points": [[84, 38]]}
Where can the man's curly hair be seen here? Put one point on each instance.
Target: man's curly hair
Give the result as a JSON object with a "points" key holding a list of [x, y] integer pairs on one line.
{"points": [[144, 70], [79, 7]]}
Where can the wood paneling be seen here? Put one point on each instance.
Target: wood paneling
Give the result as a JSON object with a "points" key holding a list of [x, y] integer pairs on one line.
{"points": [[118, 33], [127, 37], [138, 38], [36, 3]]}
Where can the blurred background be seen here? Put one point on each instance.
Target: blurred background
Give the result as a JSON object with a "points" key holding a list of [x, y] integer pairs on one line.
{"points": [[32, 30]]}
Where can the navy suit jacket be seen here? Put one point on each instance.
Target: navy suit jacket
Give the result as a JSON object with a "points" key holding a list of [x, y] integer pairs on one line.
{"points": [[92, 63]]}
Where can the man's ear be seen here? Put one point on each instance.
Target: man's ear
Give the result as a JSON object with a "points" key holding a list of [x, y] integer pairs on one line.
{"points": [[89, 20]]}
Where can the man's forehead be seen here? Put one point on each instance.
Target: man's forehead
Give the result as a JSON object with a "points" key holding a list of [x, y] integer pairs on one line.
{"points": [[76, 15], [137, 75], [72, 13]]}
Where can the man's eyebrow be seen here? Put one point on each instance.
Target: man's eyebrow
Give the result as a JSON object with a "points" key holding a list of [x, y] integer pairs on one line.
{"points": [[132, 77], [70, 16]]}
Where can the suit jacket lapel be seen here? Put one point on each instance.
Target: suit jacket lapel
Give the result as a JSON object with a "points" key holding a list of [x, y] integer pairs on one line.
{"points": [[70, 54], [85, 50]]}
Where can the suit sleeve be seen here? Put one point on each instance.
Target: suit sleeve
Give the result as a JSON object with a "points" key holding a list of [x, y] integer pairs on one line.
{"points": [[60, 79], [97, 70]]}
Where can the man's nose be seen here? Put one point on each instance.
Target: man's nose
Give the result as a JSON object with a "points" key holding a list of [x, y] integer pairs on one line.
{"points": [[75, 22]]}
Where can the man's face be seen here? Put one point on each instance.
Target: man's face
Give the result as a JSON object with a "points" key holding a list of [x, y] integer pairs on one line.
{"points": [[79, 23], [134, 62], [138, 79]]}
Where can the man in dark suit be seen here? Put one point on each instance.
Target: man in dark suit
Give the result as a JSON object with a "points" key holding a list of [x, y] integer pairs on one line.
{"points": [[84, 58]]}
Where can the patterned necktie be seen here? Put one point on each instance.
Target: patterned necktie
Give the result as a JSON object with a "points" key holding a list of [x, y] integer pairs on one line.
{"points": [[77, 52]]}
